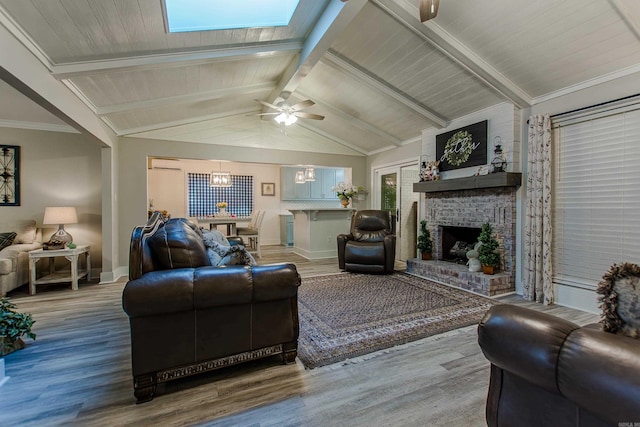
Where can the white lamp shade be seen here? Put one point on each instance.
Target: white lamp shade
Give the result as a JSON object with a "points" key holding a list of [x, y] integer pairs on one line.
{"points": [[60, 215]]}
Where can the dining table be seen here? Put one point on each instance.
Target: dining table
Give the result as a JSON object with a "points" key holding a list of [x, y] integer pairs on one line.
{"points": [[230, 221]]}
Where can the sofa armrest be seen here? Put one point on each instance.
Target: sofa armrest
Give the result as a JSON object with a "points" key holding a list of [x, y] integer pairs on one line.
{"points": [[275, 282], [524, 342], [390, 251], [342, 240], [600, 371], [159, 292]]}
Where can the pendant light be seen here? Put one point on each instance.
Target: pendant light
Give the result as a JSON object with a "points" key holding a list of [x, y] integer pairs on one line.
{"points": [[309, 174], [300, 177], [220, 179]]}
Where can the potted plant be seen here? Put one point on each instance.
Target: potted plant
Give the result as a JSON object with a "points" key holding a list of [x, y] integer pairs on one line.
{"points": [[425, 245], [13, 326], [489, 256]]}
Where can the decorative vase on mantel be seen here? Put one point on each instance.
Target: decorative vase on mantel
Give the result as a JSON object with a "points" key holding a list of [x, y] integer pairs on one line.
{"points": [[345, 202]]}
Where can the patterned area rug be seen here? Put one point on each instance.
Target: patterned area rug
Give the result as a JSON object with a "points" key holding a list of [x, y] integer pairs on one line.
{"points": [[347, 315]]}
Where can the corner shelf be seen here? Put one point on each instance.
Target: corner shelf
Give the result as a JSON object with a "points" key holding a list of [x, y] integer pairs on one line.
{"points": [[492, 180]]}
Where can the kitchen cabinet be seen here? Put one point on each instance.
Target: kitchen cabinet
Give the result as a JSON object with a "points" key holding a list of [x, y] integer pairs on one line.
{"points": [[320, 189]]}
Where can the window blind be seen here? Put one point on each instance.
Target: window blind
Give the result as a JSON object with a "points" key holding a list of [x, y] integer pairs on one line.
{"points": [[596, 197], [202, 198]]}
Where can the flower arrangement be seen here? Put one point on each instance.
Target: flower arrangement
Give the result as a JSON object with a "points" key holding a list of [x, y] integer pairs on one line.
{"points": [[221, 205], [345, 191]]}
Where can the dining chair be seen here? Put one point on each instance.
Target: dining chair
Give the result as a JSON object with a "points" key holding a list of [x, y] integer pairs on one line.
{"points": [[251, 235]]}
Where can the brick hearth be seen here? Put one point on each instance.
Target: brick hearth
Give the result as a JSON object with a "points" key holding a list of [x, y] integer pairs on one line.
{"points": [[470, 208]]}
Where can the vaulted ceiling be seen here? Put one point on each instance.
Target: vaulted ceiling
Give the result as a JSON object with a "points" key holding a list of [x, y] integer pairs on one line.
{"points": [[377, 74]]}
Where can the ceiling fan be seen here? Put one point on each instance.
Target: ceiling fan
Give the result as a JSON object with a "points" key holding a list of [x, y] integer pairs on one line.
{"points": [[288, 114], [428, 9]]}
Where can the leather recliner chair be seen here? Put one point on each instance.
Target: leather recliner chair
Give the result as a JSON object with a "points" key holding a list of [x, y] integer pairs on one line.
{"points": [[188, 317], [370, 247], [547, 371]]}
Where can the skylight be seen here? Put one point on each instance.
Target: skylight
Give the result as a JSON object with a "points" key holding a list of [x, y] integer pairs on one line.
{"points": [[204, 15]]}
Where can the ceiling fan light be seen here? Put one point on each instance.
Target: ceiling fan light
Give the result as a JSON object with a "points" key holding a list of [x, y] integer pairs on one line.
{"points": [[280, 118], [291, 119], [300, 177]]}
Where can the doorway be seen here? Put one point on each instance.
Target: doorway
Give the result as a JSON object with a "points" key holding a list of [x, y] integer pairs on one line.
{"points": [[393, 192]]}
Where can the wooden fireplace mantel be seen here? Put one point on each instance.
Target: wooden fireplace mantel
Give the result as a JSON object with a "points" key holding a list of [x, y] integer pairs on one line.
{"points": [[492, 180]]}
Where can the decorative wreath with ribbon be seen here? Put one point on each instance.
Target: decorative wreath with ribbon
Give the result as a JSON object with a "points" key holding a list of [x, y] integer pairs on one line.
{"points": [[458, 148]]}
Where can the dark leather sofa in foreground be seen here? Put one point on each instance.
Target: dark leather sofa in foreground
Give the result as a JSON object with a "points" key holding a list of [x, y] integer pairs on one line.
{"points": [[187, 317], [546, 371]]}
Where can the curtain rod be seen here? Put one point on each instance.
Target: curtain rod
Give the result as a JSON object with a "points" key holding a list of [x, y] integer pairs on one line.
{"points": [[592, 106]]}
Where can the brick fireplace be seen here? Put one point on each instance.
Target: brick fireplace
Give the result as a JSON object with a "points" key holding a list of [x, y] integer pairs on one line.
{"points": [[454, 207]]}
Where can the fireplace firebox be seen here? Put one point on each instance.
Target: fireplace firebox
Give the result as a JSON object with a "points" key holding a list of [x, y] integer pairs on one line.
{"points": [[456, 241]]}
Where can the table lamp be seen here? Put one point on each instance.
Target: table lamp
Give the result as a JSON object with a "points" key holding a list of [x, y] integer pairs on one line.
{"points": [[61, 216]]}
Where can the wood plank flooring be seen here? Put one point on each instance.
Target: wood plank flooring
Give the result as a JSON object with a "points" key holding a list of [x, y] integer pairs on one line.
{"points": [[77, 373]]}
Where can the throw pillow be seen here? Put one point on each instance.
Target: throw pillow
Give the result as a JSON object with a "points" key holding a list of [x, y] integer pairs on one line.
{"points": [[6, 239], [220, 254], [25, 231], [209, 236], [620, 299]]}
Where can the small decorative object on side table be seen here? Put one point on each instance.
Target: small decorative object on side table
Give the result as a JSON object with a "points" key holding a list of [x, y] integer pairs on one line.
{"points": [[71, 254]]}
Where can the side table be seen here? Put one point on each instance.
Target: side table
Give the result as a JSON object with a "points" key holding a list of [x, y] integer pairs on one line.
{"points": [[71, 255]]}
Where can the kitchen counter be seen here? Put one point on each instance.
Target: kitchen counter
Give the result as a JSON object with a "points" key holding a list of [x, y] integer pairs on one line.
{"points": [[315, 231]]}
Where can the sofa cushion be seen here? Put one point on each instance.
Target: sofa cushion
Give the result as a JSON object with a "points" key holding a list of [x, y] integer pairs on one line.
{"points": [[620, 299], [177, 245], [7, 239], [6, 265]]}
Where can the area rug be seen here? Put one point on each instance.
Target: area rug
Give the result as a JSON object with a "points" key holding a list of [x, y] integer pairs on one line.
{"points": [[347, 315]]}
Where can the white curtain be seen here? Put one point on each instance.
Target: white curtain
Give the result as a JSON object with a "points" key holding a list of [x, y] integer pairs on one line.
{"points": [[538, 285]]}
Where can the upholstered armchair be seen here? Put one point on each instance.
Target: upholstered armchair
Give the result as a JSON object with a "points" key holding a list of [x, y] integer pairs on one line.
{"points": [[370, 247]]}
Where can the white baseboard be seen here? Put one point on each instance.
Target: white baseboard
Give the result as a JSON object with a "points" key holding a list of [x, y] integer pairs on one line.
{"points": [[113, 276]]}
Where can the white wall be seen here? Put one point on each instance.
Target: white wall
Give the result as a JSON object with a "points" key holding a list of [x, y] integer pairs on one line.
{"points": [[503, 121], [59, 169]]}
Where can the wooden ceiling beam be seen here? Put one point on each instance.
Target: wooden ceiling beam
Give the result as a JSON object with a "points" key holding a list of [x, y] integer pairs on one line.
{"points": [[149, 62], [335, 18]]}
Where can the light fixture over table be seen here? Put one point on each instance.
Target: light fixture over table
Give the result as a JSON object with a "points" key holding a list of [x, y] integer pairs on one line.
{"points": [[220, 179], [61, 216]]}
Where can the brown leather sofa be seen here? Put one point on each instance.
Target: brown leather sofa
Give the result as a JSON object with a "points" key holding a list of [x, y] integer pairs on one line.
{"points": [[370, 247], [187, 317], [546, 371]]}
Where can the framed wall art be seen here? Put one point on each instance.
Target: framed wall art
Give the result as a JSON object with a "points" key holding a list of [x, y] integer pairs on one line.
{"points": [[462, 148], [9, 175], [268, 188]]}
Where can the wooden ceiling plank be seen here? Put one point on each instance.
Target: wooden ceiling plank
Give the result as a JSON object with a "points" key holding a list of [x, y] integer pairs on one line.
{"points": [[184, 99], [354, 120], [335, 60], [456, 51], [330, 137]]}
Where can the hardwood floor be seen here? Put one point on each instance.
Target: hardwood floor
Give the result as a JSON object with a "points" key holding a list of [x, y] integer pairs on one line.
{"points": [[77, 372]]}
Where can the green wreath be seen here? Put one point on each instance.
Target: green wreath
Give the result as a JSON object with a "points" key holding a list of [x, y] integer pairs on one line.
{"points": [[453, 153]]}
